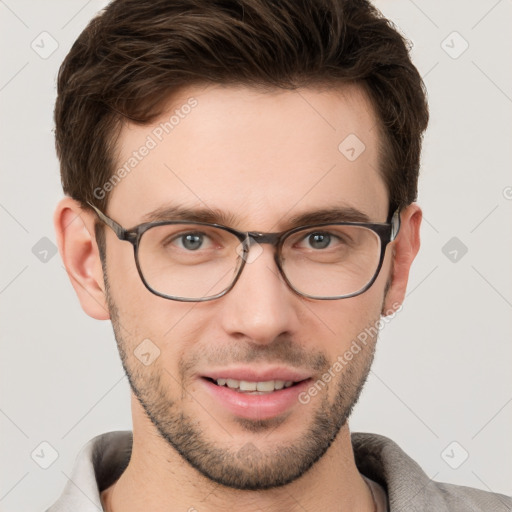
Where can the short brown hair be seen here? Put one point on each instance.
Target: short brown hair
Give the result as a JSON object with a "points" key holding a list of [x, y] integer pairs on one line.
{"points": [[135, 54]]}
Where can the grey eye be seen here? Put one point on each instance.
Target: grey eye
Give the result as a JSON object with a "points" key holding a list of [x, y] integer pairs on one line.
{"points": [[319, 240], [192, 241]]}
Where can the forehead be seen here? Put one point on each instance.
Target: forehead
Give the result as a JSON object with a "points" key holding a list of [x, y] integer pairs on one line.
{"points": [[259, 156]]}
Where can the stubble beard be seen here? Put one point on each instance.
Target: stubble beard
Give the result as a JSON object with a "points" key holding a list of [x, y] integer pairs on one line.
{"points": [[249, 467]]}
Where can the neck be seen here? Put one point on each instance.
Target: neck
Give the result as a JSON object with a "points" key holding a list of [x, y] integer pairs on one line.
{"points": [[159, 479]]}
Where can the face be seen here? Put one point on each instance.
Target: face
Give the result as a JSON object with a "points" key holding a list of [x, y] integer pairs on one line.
{"points": [[258, 160]]}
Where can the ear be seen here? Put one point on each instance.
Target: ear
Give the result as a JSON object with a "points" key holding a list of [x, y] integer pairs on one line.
{"points": [[74, 228], [406, 245]]}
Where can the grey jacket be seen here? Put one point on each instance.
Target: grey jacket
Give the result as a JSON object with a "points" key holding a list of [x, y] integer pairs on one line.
{"points": [[102, 461]]}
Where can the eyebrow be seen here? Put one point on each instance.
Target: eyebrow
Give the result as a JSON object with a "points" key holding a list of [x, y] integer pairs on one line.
{"points": [[335, 214], [216, 216], [209, 215]]}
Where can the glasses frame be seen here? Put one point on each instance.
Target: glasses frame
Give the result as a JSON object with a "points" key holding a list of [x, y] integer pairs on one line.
{"points": [[387, 232]]}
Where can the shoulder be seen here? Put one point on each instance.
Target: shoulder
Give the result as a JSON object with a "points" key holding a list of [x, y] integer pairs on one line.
{"points": [[99, 464], [409, 488], [110, 456], [468, 499]]}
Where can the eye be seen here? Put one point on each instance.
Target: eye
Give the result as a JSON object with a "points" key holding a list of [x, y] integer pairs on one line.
{"points": [[191, 241], [335, 238], [319, 240]]}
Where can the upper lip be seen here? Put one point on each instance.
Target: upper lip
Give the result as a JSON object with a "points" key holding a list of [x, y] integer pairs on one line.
{"points": [[253, 374]]}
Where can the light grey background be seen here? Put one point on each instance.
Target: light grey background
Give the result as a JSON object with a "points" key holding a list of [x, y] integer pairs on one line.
{"points": [[442, 372]]}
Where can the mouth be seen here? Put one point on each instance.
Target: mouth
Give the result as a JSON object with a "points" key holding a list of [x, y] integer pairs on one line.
{"points": [[255, 394], [264, 387]]}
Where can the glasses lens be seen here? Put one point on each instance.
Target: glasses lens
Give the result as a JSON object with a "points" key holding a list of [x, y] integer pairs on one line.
{"points": [[189, 261], [331, 261]]}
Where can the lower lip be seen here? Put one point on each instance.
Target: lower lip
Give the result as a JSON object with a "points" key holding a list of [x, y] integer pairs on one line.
{"points": [[256, 407]]}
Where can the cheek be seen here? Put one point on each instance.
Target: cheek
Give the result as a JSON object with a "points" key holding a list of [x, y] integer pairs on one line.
{"points": [[136, 304], [145, 318], [339, 323]]}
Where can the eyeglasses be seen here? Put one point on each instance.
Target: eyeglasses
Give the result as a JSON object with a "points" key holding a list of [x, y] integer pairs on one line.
{"points": [[197, 261]]}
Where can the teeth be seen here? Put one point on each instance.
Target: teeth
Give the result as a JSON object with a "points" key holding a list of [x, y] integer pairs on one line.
{"points": [[233, 384], [247, 386], [268, 385]]}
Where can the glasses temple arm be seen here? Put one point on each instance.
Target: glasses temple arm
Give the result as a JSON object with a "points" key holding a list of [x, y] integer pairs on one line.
{"points": [[395, 224], [112, 224]]}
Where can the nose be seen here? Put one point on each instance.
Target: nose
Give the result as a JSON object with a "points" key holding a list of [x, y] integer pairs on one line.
{"points": [[260, 307]]}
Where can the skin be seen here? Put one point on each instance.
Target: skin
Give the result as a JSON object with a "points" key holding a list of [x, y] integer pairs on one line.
{"points": [[232, 142]]}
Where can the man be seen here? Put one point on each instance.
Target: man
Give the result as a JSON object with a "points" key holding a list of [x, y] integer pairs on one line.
{"points": [[240, 181]]}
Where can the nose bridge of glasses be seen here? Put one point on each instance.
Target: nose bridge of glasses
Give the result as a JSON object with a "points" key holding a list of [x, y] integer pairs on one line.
{"points": [[263, 238], [252, 245]]}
